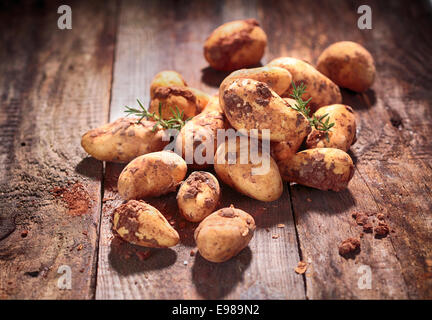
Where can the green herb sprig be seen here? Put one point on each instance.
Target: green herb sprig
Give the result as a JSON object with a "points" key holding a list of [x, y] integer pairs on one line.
{"points": [[175, 122], [319, 123]]}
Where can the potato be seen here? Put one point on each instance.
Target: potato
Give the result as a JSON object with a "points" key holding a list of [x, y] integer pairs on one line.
{"points": [[151, 175], [200, 135], [213, 104], [169, 98], [278, 79], [198, 196], [343, 133], [250, 104], [202, 98], [349, 65], [320, 168], [166, 78], [235, 45], [318, 87], [257, 178], [123, 140], [224, 233], [139, 223]]}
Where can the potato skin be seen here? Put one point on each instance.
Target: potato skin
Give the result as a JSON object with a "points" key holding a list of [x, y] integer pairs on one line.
{"points": [[235, 45], [200, 128], [320, 168], [123, 140], [278, 79], [349, 65], [183, 98], [151, 175], [213, 104], [166, 78], [139, 223], [250, 104], [202, 98], [224, 233], [264, 187], [318, 87], [198, 196], [343, 133]]}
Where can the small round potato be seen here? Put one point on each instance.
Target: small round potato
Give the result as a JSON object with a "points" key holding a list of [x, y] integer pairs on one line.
{"points": [[224, 233], [318, 87], [342, 135], [249, 104], [198, 196], [123, 140], [170, 98], [320, 168], [278, 79], [256, 177], [199, 135], [139, 223], [152, 175], [235, 45], [349, 65], [166, 78]]}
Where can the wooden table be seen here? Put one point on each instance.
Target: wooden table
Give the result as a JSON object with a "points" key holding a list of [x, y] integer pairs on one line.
{"points": [[57, 84]]}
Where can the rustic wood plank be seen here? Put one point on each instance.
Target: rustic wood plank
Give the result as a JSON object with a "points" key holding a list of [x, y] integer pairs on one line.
{"points": [[54, 85], [384, 155], [175, 41]]}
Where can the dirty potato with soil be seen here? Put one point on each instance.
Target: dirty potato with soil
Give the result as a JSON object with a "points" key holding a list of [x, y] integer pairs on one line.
{"points": [[166, 78], [235, 45], [224, 233], [349, 65], [139, 223], [152, 175], [123, 140], [198, 196]]}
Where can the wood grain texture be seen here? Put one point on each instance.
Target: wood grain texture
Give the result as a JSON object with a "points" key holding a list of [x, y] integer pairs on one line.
{"points": [[175, 42], [54, 85], [391, 174]]}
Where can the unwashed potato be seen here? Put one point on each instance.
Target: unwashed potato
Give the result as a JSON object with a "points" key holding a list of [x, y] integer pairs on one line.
{"points": [[170, 98], [342, 135], [139, 223], [224, 233], [278, 79], [235, 45], [263, 185], [166, 78], [318, 87], [198, 196], [123, 140], [200, 135], [349, 65], [320, 168], [250, 104], [152, 175]]}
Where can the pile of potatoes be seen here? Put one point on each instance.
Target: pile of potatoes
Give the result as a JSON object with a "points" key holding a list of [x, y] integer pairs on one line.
{"points": [[248, 99]]}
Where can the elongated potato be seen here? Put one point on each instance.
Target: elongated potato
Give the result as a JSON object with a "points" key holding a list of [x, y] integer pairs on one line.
{"points": [[254, 176], [123, 140], [348, 64], [224, 233], [320, 168], [234, 45], [166, 78], [318, 87], [152, 175], [198, 196], [169, 98], [278, 79], [250, 104], [199, 135], [343, 133], [139, 223]]}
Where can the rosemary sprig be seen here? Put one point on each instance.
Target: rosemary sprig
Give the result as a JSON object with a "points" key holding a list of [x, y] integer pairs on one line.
{"points": [[319, 123], [175, 122]]}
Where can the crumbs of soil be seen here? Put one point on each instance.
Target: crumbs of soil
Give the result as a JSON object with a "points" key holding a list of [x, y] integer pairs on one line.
{"points": [[349, 248], [76, 198], [301, 267]]}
